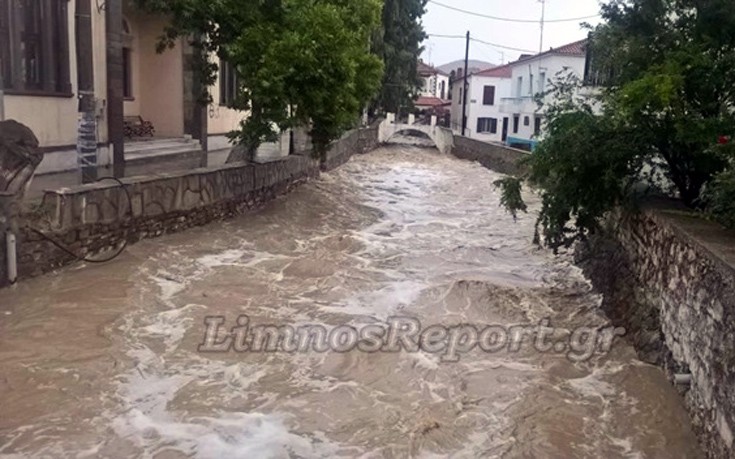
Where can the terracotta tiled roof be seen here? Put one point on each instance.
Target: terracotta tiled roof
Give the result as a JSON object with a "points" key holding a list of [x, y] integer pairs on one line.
{"points": [[504, 71], [578, 48], [425, 69], [430, 101]]}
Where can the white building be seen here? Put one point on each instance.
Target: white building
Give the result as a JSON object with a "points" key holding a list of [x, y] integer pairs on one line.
{"points": [[435, 82], [531, 76], [485, 121]]}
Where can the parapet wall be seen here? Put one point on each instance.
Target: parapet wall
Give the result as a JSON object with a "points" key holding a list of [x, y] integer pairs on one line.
{"points": [[497, 157], [94, 218], [669, 279]]}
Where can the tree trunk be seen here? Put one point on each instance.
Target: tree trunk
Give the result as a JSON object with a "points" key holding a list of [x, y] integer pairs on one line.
{"points": [[241, 154]]}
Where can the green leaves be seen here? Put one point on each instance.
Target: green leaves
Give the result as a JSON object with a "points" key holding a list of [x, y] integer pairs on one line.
{"points": [[298, 62], [669, 71], [399, 44], [510, 198]]}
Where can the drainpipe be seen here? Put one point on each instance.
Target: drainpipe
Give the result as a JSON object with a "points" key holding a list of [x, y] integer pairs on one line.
{"points": [[87, 129]]}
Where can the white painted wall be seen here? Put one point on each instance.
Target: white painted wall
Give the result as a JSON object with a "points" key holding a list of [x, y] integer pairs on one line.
{"points": [[432, 86], [532, 76], [477, 109]]}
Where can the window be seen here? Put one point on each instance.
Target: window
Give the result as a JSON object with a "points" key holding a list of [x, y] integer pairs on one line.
{"points": [[519, 87], [460, 96], [488, 125], [488, 96], [537, 126], [228, 84], [526, 121], [530, 84], [542, 82], [516, 123], [443, 90], [34, 46], [127, 74]]}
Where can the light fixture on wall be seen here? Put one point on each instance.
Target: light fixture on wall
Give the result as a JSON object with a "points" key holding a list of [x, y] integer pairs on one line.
{"points": [[101, 5]]}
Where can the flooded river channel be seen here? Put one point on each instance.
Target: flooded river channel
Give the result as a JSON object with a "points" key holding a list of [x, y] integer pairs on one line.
{"points": [[112, 360]]}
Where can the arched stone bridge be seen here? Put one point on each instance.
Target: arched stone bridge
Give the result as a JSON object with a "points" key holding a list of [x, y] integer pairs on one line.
{"points": [[442, 137]]}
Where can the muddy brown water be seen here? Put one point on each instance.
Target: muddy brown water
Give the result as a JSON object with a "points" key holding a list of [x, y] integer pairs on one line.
{"points": [[103, 361]]}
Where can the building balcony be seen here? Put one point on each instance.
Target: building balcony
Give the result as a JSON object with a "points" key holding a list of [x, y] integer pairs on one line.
{"points": [[525, 104]]}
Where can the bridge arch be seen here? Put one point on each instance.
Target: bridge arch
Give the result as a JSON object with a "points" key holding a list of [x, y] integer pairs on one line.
{"points": [[442, 137]]}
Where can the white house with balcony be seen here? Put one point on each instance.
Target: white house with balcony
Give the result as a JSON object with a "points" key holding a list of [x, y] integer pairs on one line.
{"points": [[485, 89], [530, 76], [435, 82]]}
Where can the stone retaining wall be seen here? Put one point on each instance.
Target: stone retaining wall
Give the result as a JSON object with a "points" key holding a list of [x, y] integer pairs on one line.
{"points": [[497, 157], [669, 279], [94, 218]]}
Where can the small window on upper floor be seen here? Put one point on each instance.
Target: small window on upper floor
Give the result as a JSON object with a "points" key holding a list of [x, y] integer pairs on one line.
{"points": [[488, 96]]}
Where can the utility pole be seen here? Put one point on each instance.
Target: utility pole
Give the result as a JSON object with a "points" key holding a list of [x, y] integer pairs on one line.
{"points": [[87, 128], [465, 84], [115, 111], [543, 19]]}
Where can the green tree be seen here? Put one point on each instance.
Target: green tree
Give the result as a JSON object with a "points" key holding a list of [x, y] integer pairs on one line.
{"points": [[298, 62], [667, 68], [399, 43]]}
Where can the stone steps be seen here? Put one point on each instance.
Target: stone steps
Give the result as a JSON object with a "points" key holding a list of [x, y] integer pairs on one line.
{"points": [[146, 149]]}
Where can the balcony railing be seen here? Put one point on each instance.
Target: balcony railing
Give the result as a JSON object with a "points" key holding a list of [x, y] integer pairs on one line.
{"points": [[525, 104]]}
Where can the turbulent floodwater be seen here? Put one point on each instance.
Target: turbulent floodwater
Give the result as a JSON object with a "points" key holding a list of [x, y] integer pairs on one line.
{"points": [[103, 361]]}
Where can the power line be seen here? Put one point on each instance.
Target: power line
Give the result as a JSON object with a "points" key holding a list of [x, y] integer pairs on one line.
{"points": [[503, 46], [496, 18], [495, 45]]}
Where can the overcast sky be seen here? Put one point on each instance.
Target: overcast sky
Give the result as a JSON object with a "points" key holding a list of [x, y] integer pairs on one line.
{"points": [[440, 20]]}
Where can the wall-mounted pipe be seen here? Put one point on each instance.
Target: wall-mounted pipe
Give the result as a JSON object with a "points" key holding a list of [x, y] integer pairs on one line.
{"points": [[12, 257]]}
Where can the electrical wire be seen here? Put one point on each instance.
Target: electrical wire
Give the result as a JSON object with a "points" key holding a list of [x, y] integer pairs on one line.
{"points": [[120, 249], [496, 18], [463, 37]]}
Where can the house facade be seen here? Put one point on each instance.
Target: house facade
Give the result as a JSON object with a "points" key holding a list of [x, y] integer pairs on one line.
{"points": [[54, 53], [530, 76], [435, 82], [485, 89]]}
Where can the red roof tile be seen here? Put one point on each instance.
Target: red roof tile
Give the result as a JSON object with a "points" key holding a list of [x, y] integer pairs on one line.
{"points": [[425, 69], [430, 101], [504, 71], [578, 48]]}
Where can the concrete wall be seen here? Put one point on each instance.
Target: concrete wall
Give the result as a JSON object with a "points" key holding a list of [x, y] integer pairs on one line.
{"points": [[670, 280], [93, 218], [494, 156]]}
